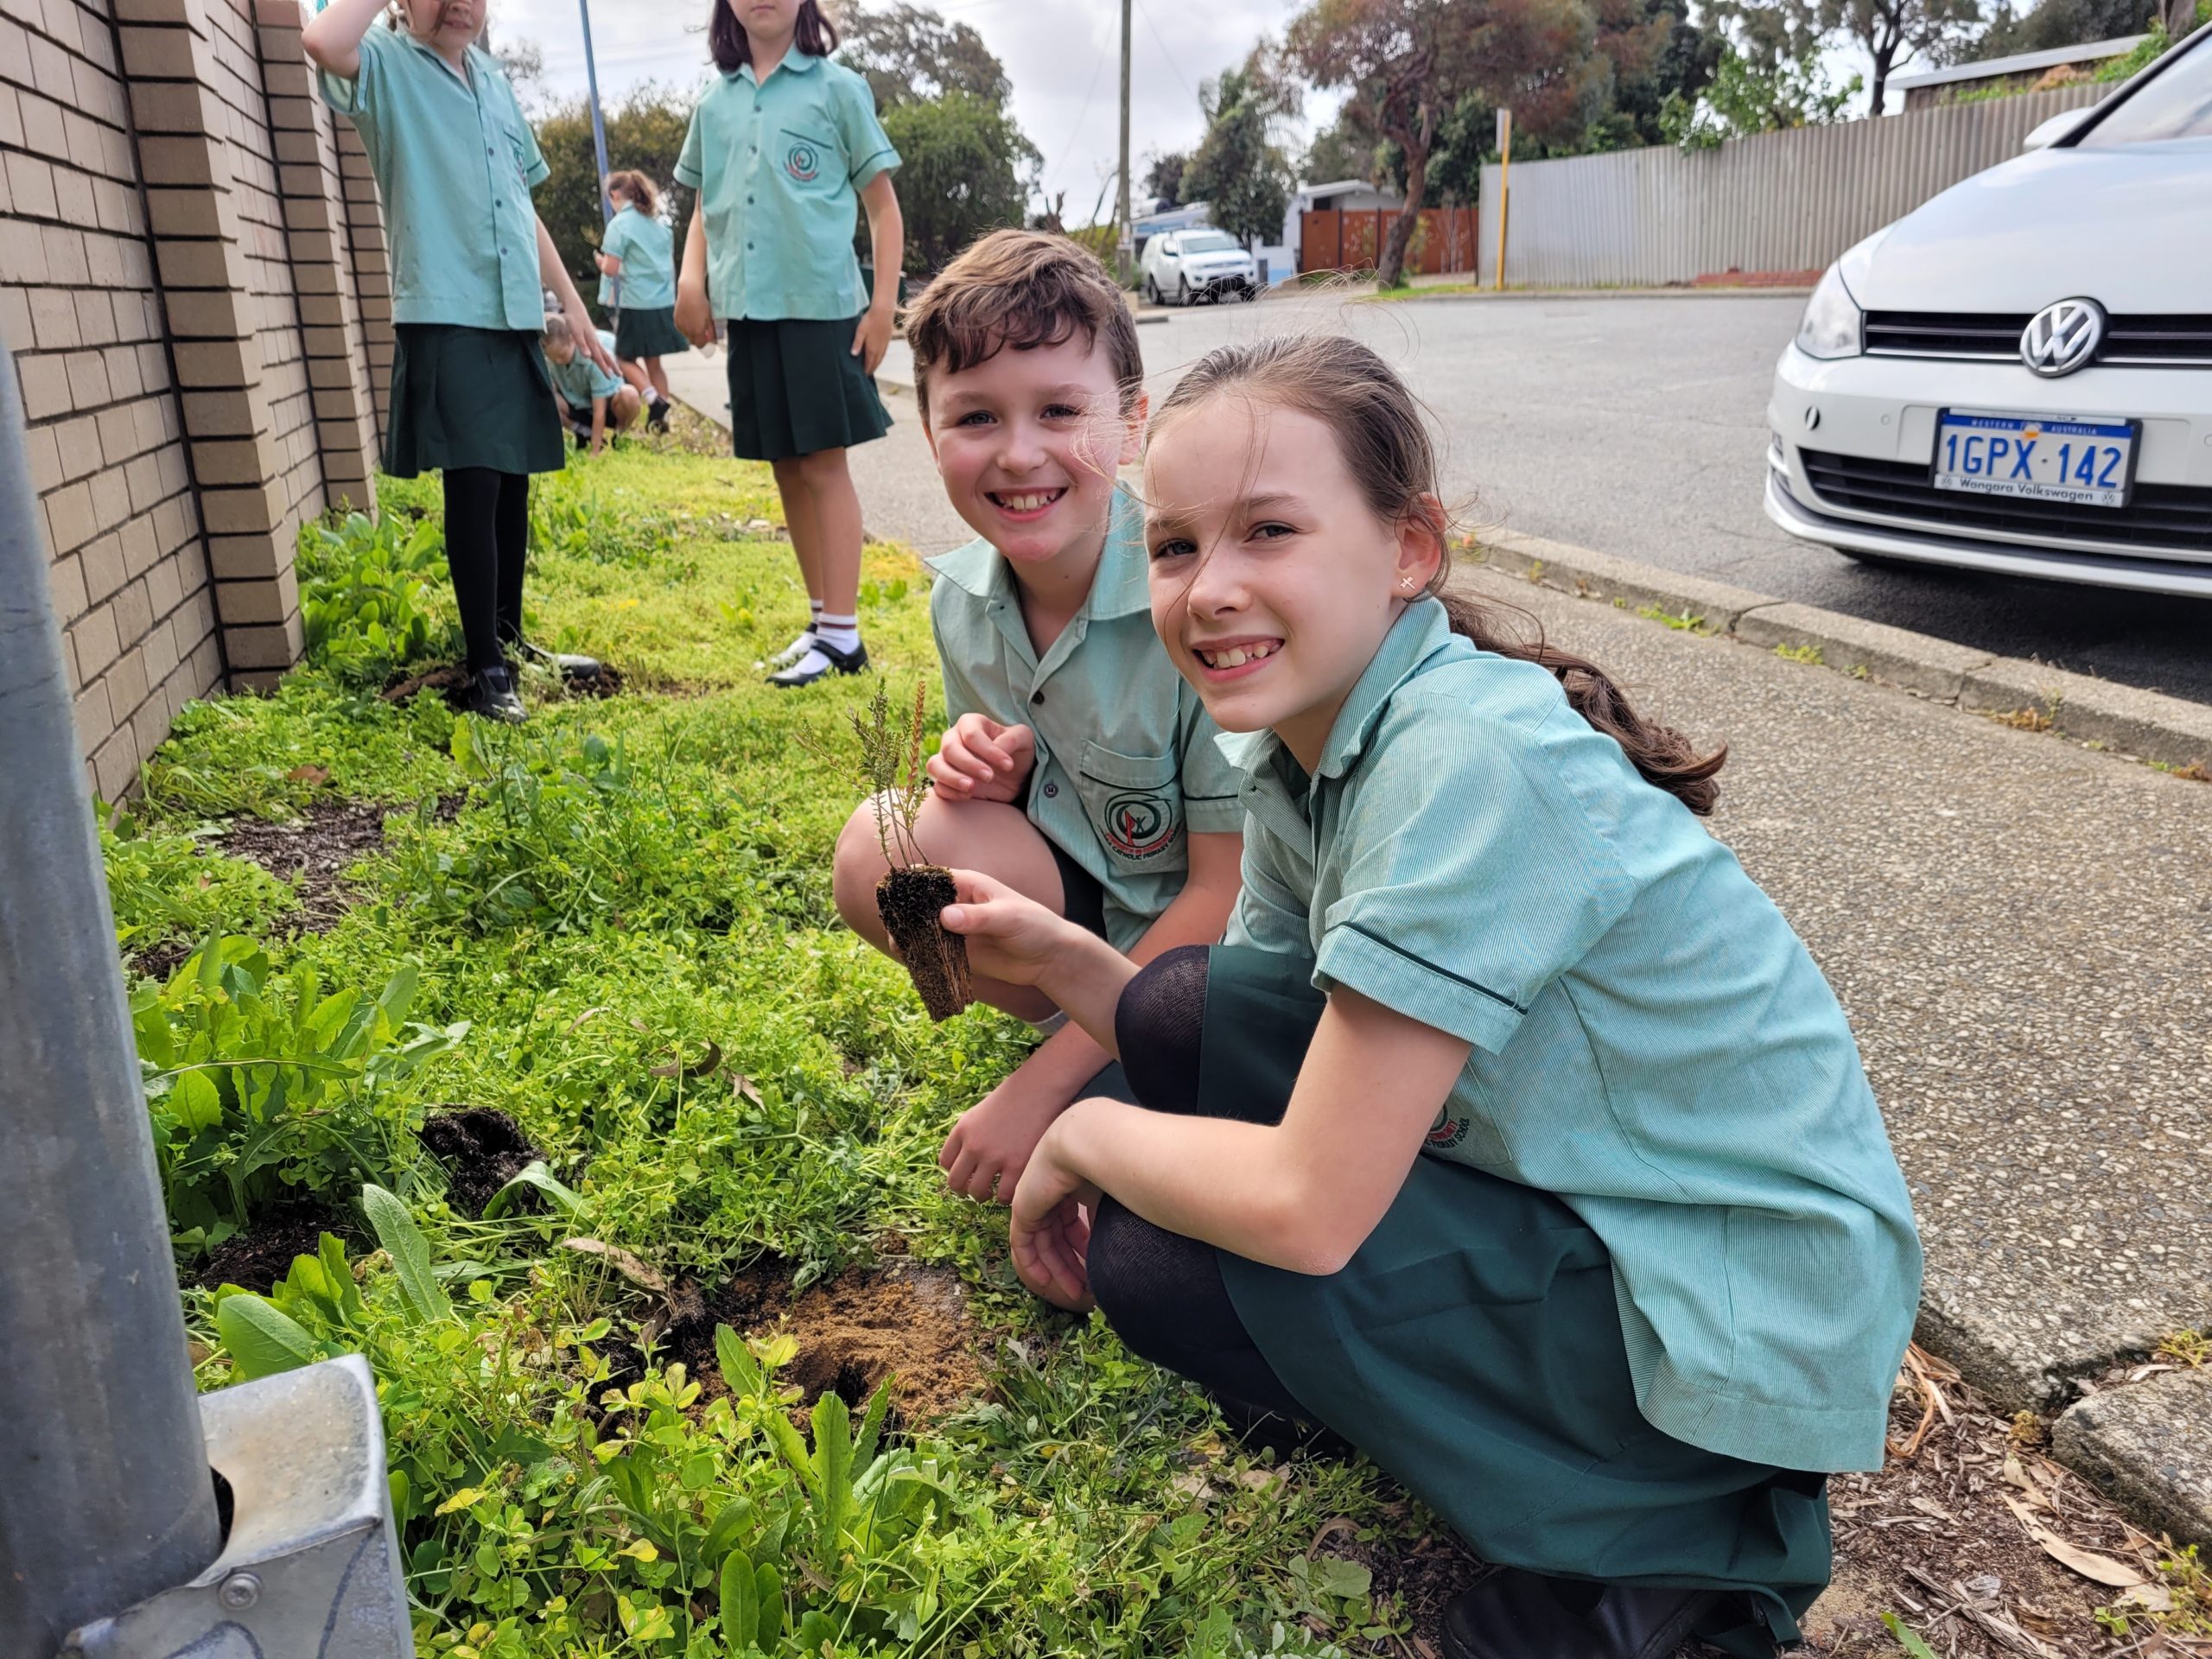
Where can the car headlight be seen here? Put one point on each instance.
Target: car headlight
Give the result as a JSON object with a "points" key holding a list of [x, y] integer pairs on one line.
{"points": [[1831, 327]]}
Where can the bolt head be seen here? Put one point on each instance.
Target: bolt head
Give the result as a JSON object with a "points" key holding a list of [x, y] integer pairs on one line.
{"points": [[239, 1592]]}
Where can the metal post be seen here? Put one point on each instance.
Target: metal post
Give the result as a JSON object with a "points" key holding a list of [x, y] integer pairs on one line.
{"points": [[1125, 227], [598, 131], [1504, 183], [104, 1492]]}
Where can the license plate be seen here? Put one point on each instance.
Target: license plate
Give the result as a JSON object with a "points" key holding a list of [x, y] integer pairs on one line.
{"points": [[2087, 463]]}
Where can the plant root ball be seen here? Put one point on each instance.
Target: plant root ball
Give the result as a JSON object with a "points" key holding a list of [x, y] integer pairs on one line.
{"points": [[908, 901]]}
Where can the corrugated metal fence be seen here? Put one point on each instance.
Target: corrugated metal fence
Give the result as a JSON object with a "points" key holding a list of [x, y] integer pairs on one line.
{"points": [[1782, 201]]}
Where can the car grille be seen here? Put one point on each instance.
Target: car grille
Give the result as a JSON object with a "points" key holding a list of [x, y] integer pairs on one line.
{"points": [[2148, 339], [2158, 515]]}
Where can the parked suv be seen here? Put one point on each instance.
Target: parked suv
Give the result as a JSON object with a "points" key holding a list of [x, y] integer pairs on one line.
{"points": [[2017, 376], [1183, 267]]}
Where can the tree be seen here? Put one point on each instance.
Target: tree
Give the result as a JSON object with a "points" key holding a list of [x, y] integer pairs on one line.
{"points": [[1343, 149], [1407, 63], [1743, 98], [2056, 24], [523, 60], [910, 55], [964, 168], [1889, 29], [644, 132], [1238, 170], [1163, 177]]}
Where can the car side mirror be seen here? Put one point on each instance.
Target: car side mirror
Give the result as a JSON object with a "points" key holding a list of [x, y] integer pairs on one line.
{"points": [[2050, 132]]}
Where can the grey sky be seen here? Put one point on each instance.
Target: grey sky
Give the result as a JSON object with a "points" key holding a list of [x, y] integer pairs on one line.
{"points": [[1063, 57]]}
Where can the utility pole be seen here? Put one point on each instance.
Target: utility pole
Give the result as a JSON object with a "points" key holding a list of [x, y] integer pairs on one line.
{"points": [[598, 131], [1125, 237]]}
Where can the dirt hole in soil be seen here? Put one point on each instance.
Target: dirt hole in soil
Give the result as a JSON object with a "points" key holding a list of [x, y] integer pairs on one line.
{"points": [[903, 1321], [482, 1150], [256, 1258], [314, 850]]}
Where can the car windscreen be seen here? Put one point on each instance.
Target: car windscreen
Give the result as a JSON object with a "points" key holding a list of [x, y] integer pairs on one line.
{"points": [[2176, 104], [1205, 245]]}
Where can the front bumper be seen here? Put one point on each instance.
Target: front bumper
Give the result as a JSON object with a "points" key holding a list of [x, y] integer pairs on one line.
{"points": [[1885, 409]]}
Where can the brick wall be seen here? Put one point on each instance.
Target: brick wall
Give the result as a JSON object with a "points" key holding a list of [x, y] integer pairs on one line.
{"points": [[179, 223]]}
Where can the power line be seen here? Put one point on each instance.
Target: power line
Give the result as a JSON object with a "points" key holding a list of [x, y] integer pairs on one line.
{"points": [[1053, 176], [1161, 43]]}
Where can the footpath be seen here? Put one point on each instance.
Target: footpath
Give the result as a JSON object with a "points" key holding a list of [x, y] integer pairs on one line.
{"points": [[2019, 924]]}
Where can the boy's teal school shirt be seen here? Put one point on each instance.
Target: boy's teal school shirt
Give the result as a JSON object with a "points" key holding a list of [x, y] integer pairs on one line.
{"points": [[580, 379], [645, 247], [1652, 1043], [455, 164], [779, 166], [1127, 766]]}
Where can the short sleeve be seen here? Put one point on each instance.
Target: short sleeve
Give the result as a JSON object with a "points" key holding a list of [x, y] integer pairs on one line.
{"points": [[868, 149], [535, 171], [687, 159], [960, 696], [1268, 916], [1212, 803], [1471, 873], [361, 97], [615, 242]]}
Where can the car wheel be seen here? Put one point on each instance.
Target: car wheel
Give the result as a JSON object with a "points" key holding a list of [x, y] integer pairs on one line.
{"points": [[1182, 290], [1151, 292]]}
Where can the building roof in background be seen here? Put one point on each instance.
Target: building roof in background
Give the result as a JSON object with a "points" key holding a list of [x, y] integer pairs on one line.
{"points": [[2020, 63]]}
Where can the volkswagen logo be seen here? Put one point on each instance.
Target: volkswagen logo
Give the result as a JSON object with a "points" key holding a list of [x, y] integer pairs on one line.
{"points": [[2062, 338]]}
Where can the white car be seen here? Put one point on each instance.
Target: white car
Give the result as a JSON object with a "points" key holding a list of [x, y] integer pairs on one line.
{"points": [[2017, 376], [1183, 267]]}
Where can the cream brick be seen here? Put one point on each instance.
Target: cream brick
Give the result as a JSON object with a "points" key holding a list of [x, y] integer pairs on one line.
{"points": [[96, 318], [164, 591], [142, 550], [115, 767], [15, 328], [45, 452], [53, 318], [65, 256], [110, 497], [101, 565], [69, 517], [30, 187], [94, 722], [126, 680], [134, 614], [45, 382], [271, 645], [79, 441], [66, 584], [244, 603], [94, 636]]}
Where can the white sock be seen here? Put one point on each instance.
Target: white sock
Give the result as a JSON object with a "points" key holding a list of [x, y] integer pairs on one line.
{"points": [[840, 634]]}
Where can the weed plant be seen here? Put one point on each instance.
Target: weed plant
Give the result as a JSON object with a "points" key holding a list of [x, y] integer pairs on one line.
{"points": [[615, 924], [170, 888]]}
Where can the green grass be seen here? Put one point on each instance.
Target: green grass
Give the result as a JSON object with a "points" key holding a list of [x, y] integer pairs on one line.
{"points": [[568, 922]]}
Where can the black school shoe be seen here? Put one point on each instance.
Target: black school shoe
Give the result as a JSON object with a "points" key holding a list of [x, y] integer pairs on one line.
{"points": [[492, 694], [839, 662], [656, 415], [1515, 1614], [570, 665]]}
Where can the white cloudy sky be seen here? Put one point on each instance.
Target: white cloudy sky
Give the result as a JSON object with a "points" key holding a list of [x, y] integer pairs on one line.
{"points": [[1063, 57]]}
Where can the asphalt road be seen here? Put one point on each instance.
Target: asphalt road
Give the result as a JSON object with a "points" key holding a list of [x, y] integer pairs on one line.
{"points": [[1638, 426]]}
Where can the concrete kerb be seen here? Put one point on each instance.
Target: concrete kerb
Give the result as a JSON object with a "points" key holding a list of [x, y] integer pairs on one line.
{"points": [[2150, 1446], [2145, 725]]}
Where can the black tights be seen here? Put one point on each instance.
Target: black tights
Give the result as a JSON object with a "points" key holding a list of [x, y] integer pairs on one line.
{"points": [[1162, 1292], [487, 538]]}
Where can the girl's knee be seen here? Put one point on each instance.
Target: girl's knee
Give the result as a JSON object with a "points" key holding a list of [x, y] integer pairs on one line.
{"points": [[823, 468]]}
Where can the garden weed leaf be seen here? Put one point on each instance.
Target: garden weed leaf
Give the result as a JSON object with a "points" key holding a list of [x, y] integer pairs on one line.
{"points": [[262, 1338], [872, 1425], [729, 1521], [791, 1445], [410, 1254], [768, 1597], [533, 1176], [740, 1608], [833, 1456], [739, 1369]]}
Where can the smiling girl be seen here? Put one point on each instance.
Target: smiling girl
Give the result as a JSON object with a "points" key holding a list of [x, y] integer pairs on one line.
{"points": [[781, 150], [454, 163], [1512, 1134]]}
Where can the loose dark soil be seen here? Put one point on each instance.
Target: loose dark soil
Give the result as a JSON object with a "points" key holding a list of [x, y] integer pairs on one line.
{"points": [[482, 1149], [909, 900], [902, 1320], [258, 1258], [313, 851]]}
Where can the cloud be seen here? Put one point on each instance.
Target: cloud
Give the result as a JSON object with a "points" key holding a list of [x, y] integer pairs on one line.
{"points": [[1063, 56]]}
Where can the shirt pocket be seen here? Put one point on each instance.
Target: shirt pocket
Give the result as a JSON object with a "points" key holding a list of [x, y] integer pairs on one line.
{"points": [[1466, 1130], [1134, 806], [811, 165], [518, 148]]}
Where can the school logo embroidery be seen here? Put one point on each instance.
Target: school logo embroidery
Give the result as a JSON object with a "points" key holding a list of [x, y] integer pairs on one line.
{"points": [[1448, 1132], [804, 164], [1139, 825]]}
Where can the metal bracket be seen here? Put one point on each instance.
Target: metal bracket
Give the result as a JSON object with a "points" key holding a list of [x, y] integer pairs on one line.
{"points": [[310, 1568]]}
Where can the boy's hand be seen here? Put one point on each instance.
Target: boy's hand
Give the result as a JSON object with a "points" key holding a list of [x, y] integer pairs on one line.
{"points": [[873, 338], [1050, 1232], [1010, 938], [980, 760], [693, 317], [989, 1147]]}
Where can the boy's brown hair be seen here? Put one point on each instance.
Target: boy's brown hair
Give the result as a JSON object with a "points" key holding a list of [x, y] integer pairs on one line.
{"points": [[1018, 290]]}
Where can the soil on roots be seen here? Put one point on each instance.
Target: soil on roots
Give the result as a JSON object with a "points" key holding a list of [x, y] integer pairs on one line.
{"points": [[903, 1321], [256, 1258], [909, 900], [482, 1150], [314, 852]]}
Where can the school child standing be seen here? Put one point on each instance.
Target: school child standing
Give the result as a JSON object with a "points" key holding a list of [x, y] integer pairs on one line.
{"points": [[1512, 1134], [455, 164], [591, 402], [780, 150], [638, 280]]}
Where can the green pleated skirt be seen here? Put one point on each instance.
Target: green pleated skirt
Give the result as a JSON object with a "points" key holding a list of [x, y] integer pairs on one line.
{"points": [[641, 332], [795, 389], [470, 398], [1473, 1348]]}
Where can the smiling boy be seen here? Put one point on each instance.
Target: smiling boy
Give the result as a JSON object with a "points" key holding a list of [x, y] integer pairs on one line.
{"points": [[1079, 768]]}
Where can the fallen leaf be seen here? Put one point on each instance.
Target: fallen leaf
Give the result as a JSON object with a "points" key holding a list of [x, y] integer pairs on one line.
{"points": [[1928, 1506], [741, 1085], [308, 775], [2100, 1569], [1191, 1486], [621, 1261], [2017, 1475], [2151, 1597], [1258, 1480], [709, 1063]]}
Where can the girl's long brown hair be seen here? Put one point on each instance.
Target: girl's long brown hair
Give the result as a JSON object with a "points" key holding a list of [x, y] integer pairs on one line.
{"points": [[1387, 448], [817, 35], [638, 189]]}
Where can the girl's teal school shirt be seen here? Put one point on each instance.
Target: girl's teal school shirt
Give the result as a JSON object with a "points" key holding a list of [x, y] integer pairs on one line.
{"points": [[455, 164], [579, 380], [645, 247], [779, 166], [1652, 1043]]}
